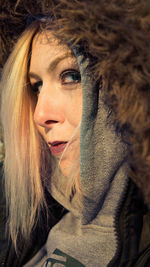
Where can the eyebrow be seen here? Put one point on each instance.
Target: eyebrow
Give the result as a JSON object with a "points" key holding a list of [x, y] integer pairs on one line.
{"points": [[52, 65]]}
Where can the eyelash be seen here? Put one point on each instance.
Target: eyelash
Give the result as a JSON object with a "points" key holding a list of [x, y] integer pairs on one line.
{"points": [[76, 78]]}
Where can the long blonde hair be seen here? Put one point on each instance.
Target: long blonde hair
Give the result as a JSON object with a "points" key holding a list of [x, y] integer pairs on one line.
{"points": [[27, 163], [24, 147]]}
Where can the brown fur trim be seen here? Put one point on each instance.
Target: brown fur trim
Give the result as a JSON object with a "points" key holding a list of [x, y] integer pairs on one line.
{"points": [[117, 33], [13, 21]]}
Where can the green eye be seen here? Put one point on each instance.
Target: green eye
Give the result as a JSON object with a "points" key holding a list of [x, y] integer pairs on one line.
{"points": [[36, 87], [70, 77]]}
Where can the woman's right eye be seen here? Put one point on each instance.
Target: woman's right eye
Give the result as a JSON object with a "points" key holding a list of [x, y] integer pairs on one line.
{"points": [[36, 87]]}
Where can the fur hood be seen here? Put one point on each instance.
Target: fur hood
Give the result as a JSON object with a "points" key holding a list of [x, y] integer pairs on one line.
{"points": [[117, 35]]}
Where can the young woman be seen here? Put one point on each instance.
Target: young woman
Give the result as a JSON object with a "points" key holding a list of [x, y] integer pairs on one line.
{"points": [[76, 134]]}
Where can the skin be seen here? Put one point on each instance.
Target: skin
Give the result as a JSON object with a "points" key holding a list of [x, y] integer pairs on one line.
{"points": [[55, 78]]}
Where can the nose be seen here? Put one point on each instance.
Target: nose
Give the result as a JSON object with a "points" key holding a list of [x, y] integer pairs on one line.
{"points": [[48, 111]]}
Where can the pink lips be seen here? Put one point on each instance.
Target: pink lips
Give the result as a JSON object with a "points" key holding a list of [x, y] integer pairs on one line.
{"points": [[57, 147]]}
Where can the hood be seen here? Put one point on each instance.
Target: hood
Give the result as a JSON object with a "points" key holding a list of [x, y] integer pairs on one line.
{"points": [[103, 154], [116, 34]]}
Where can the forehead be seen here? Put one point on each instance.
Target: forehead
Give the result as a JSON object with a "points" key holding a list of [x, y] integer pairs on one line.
{"points": [[48, 42], [46, 49], [45, 37]]}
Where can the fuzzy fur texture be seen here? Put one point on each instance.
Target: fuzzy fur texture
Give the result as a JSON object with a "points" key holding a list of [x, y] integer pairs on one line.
{"points": [[117, 34]]}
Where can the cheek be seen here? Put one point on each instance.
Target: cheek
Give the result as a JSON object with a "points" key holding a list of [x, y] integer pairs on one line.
{"points": [[73, 111]]}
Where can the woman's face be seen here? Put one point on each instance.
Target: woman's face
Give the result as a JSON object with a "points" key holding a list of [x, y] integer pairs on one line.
{"points": [[55, 78]]}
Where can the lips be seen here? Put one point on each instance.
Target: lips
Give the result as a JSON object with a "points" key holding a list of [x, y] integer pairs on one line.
{"points": [[57, 147]]}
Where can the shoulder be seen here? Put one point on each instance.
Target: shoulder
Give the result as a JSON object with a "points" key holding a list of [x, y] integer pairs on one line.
{"points": [[134, 228]]}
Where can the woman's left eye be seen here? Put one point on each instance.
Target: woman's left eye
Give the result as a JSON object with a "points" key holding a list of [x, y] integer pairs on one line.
{"points": [[70, 77], [36, 87]]}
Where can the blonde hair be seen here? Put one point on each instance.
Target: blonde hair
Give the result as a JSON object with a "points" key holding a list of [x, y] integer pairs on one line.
{"points": [[27, 163], [23, 145]]}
